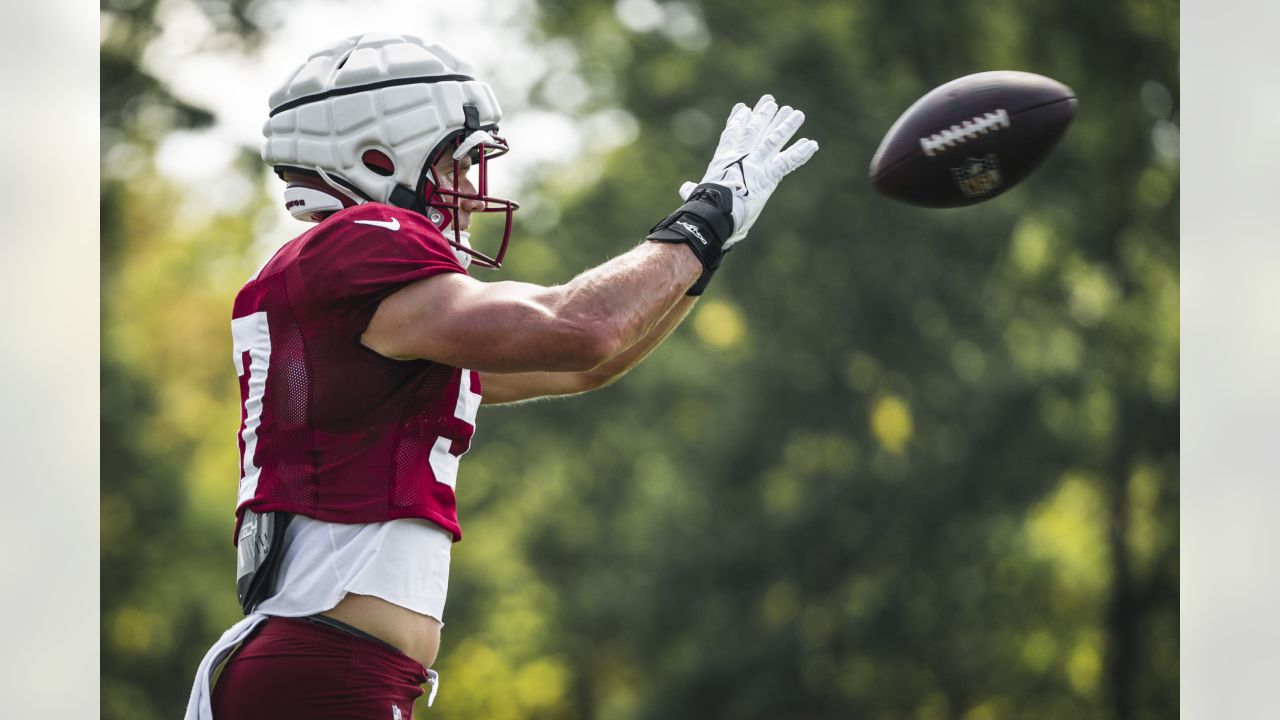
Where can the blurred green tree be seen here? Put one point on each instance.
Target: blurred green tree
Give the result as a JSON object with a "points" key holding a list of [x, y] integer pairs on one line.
{"points": [[167, 282], [934, 472]]}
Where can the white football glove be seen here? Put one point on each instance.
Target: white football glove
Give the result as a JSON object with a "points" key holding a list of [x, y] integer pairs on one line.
{"points": [[750, 160]]}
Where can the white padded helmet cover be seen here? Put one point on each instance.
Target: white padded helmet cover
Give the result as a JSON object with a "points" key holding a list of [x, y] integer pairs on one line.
{"points": [[345, 100]]}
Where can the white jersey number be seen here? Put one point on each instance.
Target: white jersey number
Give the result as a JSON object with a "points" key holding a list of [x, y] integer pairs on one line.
{"points": [[444, 464], [250, 334]]}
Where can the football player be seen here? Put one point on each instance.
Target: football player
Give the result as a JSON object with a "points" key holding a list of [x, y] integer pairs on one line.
{"points": [[364, 348]]}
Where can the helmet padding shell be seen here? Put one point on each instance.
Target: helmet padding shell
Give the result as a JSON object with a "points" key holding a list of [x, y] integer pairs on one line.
{"points": [[391, 93]]}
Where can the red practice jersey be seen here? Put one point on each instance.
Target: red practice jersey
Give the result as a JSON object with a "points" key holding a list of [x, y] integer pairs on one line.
{"points": [[329, 428]]}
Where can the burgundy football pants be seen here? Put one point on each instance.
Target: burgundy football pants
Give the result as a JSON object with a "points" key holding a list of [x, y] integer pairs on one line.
{"points": [[296, 669]]}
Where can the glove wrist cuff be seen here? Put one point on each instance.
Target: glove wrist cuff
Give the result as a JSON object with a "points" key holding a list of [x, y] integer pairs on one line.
{"points": [[704, 222]]}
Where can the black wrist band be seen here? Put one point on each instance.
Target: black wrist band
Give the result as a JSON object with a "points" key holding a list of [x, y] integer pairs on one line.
{"points": [[700, 286], [704, 222]]}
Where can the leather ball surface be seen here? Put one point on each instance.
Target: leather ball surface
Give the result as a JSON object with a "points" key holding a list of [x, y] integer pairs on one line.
{"points": [[972, 139]]}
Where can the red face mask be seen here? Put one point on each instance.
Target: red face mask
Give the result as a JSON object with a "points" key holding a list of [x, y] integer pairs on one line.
{"points": [[444, 200]]}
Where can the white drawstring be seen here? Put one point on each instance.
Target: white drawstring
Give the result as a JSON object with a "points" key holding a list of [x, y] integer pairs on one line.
{"points": [[433, 679]]}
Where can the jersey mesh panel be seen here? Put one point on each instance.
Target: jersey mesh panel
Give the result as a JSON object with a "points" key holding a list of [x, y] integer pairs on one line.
{"points": [[288, 405], [416, 436]]}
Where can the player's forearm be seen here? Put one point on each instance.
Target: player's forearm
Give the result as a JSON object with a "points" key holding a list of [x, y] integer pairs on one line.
{"points": [[500, 388], [627, 297], [618, 365]]}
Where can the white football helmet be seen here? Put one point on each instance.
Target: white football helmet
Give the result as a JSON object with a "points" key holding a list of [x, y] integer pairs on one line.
{"points": [[367, 118]]}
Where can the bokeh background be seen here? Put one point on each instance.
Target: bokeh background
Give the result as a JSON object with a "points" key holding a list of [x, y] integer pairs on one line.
{"points": [[897, 464]]}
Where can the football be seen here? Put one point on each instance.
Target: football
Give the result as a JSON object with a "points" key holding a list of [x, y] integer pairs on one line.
{"points": [[972, 139]]}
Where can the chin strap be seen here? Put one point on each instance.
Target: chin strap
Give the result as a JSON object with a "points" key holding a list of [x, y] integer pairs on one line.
{"points": [[336, 186], [464, 239]]}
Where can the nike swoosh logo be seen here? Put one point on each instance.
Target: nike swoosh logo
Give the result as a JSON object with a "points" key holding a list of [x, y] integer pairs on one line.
{"points": [[393, 224]]}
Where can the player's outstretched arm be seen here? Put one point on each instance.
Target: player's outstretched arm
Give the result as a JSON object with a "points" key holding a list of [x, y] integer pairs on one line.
{"points": [[749, 163], [512, 327], [606, 316], [502, 388]]}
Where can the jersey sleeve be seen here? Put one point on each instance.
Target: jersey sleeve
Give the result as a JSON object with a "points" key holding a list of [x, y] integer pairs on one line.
{"points": [[364, 254]]}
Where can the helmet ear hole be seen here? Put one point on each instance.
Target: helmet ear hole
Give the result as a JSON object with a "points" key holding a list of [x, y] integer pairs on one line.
{"points": [[378, 162]]}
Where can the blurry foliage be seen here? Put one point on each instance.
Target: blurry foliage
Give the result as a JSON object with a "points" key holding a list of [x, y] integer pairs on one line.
{"points": [[897, 464]]}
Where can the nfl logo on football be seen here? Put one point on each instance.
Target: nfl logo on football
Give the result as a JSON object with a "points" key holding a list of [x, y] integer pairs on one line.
{"points": [[977, 176]]}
